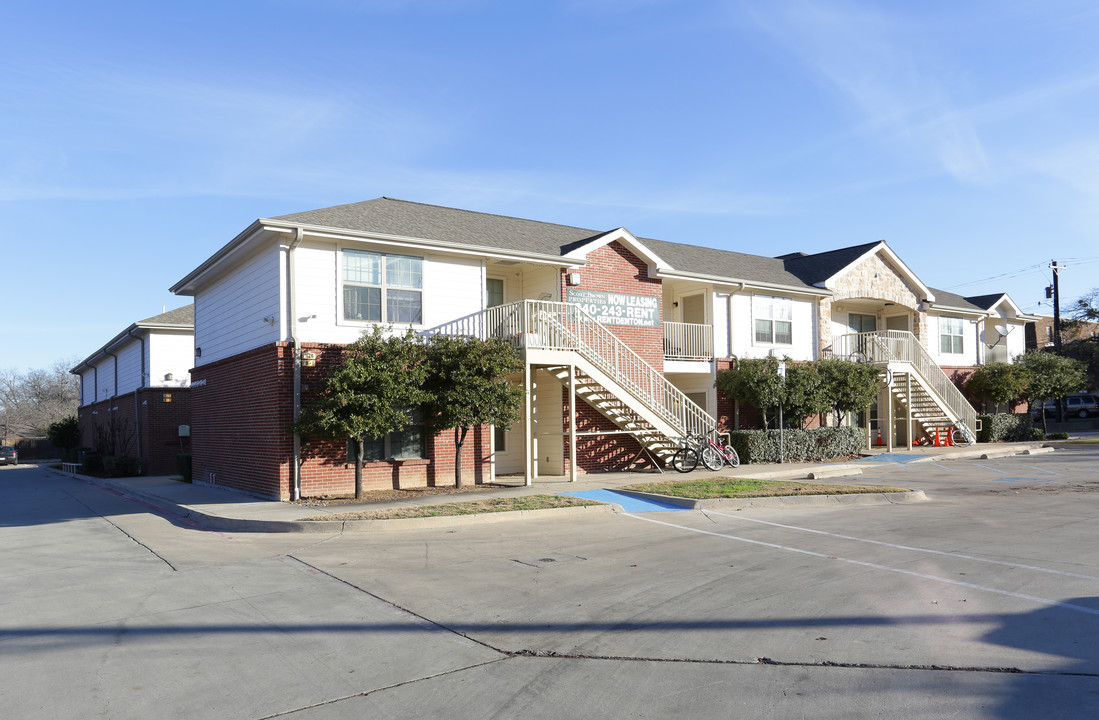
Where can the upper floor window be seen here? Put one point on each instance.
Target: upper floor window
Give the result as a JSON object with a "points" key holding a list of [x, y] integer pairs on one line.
{"points": [[951, 333], [773, 320], [382, 287]]}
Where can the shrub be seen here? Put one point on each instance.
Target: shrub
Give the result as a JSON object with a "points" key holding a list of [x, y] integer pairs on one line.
{"points": [[90, 462], [1005, 427], [115, 466], [762, 446], [183, 466], [1058, 436], [1037, 434]]}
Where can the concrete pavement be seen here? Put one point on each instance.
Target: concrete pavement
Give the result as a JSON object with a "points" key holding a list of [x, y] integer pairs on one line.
{"points": [[223, 509]]}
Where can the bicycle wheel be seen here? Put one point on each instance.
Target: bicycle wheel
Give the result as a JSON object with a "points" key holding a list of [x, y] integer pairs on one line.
{"points": [[731, 456], [711, 458], [960, 439], [685, 460]]}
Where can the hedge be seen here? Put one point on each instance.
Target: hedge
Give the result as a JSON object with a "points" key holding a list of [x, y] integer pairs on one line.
{"points": [[762, 446], [1005, 427]]}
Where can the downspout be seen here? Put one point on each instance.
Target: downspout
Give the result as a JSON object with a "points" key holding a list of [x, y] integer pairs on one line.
{"points": [[114, 392], [137, 408], [729, 323], [295, 464]]}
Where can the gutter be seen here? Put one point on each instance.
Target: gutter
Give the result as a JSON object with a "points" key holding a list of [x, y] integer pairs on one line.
{"points": [[295, 461]]}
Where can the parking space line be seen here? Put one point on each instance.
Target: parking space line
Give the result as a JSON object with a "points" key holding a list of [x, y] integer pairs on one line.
{"points": [[1039, 469], [874, 566], [901, 547], [986, 467], [938, 464]]}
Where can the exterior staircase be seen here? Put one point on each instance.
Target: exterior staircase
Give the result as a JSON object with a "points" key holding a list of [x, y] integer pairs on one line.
{"points": [[914, 379], [610, 377]]}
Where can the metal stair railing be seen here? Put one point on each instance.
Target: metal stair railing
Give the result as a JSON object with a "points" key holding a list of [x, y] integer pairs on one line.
{"points": [[566, 326], [886, 346]]}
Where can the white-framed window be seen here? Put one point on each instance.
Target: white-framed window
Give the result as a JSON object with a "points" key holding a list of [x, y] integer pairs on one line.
{"points": [[382, 287], [951, 335], [773, 319], [405, 444]]}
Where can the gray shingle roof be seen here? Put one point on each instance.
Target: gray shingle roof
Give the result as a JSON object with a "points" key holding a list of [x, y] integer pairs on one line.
{"points": [[985, 302], [949, 299], [184, 317]]}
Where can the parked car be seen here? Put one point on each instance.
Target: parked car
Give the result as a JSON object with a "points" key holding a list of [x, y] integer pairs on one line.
{"points": [[8, 455], [1076, 405]]}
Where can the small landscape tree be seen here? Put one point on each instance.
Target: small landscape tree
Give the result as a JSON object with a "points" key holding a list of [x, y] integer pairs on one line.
{"points": [[1050, 376], [998, 383], [64, 435], [368, 393], [804, 393], [754, 381], [467, 386], [849, 386]]}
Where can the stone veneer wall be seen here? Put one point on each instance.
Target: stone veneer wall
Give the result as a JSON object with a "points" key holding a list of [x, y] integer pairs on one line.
{"points": [[876, 279]]}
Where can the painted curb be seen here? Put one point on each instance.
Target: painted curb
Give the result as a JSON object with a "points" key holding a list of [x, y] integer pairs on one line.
{"points": [[792, 501]]}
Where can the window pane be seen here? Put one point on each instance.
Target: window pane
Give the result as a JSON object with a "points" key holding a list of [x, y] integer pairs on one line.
{"points": [[783, 309], [494, 292], [407, 443], [402, 306], [784, 334], [362, 303], [763, 331], [761, 306], [500, 439], [403, 271], [958, 344], [363, 267], [373, 450]]}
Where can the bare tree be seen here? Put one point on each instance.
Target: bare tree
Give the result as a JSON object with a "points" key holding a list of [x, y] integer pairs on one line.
{"points": [[31, 401]]}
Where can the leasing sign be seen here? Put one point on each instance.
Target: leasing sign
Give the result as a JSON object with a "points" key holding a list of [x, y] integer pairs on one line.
{"points": [[618, 308]]}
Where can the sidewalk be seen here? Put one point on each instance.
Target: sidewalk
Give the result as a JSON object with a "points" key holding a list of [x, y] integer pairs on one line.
{"points": [[222, 509]]}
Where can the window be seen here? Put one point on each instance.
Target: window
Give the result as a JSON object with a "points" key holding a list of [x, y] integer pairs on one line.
{"points": [[400, 445], [500, 439], [773, 320], [494, 292], [951, 331], [862, 323], [379, 287]]}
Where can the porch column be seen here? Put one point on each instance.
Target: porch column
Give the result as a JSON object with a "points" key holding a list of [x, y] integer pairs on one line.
{"points": [[891, 428], [572, 423], [528, 423], [908, 414]]}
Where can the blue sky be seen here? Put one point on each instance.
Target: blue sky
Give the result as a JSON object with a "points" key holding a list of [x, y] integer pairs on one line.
{"points": [[137, 138]]}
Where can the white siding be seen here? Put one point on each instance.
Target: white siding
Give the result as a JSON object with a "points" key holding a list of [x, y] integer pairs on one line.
{"points": [[804, 330], [542, 284], [229, 314], [87, 387], [1016, 340], [721, 325], [170, 353], [451, 289], [129, 367], [550, 413], [105, 369], [971, 330]]}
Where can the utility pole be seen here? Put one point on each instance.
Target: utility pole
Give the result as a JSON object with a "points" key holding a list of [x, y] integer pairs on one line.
{"points": [[1056, 306]]}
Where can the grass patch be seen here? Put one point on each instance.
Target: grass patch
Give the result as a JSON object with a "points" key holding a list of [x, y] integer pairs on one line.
{"points": [[472, 507], [720, 487]]}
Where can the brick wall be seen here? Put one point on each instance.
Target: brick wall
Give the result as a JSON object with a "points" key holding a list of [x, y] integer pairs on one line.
{"points": [[613, 268], [148, 428], [240, 436]]}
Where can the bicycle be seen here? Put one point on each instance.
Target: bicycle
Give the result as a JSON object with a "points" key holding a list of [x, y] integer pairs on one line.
{"points": [[714, 456]]}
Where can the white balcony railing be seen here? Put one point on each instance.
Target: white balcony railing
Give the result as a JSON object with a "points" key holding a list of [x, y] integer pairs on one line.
{"points": [[566, 326], [888, 346], [688, 341]]}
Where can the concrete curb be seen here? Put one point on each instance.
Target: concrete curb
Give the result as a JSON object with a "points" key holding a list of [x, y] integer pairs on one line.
{"points": [[801, 501]]}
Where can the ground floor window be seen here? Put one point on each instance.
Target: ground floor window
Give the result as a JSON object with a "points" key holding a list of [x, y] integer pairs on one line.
{"points": [[409, 443]]}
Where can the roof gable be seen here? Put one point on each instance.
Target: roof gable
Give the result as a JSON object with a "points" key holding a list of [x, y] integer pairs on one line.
{"points": [[580, 250], [825, 269]]}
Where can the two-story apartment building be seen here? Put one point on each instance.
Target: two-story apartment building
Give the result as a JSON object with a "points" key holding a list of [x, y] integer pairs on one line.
{"points": [[622, 338], [134, 391]]}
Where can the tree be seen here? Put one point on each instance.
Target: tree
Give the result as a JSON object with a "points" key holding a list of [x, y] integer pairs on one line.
{"points": [[849, 386], [754, 381], [30, 401], [1050, 376], [368, 393], [467, 386], [804, 393], [64, 434], [998, 383]]}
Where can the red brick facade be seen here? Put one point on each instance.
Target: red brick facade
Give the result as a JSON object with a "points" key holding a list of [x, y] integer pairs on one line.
{"points": [[147, 425], [613, 268], [243, 406]]}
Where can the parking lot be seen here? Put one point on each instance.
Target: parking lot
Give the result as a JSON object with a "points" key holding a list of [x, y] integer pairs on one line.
{"points": [[982, 602]]}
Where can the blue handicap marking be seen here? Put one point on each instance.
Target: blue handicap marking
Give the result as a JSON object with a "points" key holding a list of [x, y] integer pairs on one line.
{"points": [[629, 503], [891, 457]]}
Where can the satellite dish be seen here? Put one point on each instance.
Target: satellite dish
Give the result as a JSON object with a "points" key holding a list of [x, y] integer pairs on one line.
{"points": [[1003, 329]]}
